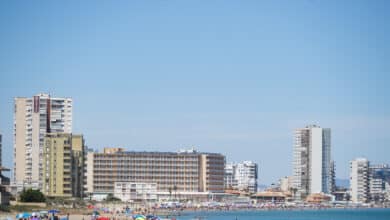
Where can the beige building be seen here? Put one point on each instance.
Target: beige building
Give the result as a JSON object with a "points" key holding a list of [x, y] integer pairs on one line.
{"points": [[286, 183], [33, 118], [185, 171], [63, 165]]}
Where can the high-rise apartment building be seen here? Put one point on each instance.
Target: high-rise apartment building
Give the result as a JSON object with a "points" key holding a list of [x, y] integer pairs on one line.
{"points": [[4, 181], [1, 150], [246, 176], [312, 160], [359, 180], [33, 119], [242, 176], [63, 165], [187, 171]]}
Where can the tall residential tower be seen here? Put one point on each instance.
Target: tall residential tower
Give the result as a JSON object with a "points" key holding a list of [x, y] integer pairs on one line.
{"points": [[33, 118], [63, 165], [359, 180], [312, 160]]}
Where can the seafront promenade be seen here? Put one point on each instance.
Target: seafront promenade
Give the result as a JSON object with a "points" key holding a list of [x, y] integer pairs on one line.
{"points": [[117, 212], [272, 214]]}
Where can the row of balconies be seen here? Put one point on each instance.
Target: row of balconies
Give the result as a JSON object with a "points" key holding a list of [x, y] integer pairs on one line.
{"points": [[178, 184], [125, 157], [143, 180], [195, 168], [145, 173], [160, 181], [148, 163], [132, 163], [144, 170]]}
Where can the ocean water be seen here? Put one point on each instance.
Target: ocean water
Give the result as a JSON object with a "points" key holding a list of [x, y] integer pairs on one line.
{"points": [[356, 214]]}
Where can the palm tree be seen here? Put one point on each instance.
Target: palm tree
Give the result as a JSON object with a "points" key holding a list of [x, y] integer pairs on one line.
{"points": [[175, 189], [170, 193], [294, 191], [347, 197]]}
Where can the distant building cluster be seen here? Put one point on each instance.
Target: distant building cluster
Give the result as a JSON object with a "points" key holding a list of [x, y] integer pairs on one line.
{"points": [[49, 157]]}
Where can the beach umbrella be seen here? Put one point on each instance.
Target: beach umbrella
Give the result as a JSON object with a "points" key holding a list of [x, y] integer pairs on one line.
{"points": [[23, 215], [43, 213], [53, 211], [26, 215], [139, 217]]}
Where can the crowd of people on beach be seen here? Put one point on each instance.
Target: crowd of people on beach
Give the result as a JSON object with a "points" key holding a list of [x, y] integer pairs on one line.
{"points": [[42, 215]]}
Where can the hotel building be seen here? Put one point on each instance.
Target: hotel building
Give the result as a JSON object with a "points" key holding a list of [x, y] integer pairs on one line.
{"points": [[312, 161], [182, 172], [33, 118], [63, 165]]}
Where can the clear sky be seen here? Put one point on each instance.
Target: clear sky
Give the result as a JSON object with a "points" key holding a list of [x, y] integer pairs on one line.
{"points": [[234, 77]]}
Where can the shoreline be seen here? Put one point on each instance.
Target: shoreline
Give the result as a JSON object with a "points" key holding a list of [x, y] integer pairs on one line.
{"points": [[179, 212]]}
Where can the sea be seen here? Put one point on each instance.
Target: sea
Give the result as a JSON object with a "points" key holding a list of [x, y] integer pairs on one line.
{"points": [[337, 214]]}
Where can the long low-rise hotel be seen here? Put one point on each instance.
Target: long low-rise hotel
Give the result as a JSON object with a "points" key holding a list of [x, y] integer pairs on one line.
{"points": [[173, 172]]}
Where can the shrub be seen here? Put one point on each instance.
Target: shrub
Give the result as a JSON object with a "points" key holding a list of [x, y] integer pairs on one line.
{"points": [[32, 195]]}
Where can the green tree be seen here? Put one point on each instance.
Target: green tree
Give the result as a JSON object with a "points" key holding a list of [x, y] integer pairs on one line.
{"points": [[294, 191], [32, 195]]}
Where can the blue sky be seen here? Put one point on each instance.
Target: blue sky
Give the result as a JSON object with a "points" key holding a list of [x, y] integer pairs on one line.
{"points": [[234, 77]]}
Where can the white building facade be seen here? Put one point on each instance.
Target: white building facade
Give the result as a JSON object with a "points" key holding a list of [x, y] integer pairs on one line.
{"points": [[286, 183], [379, 179], [230, 173], [135, 192], [359, 180], [33, 118], [242, 176], [312, 160]]}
